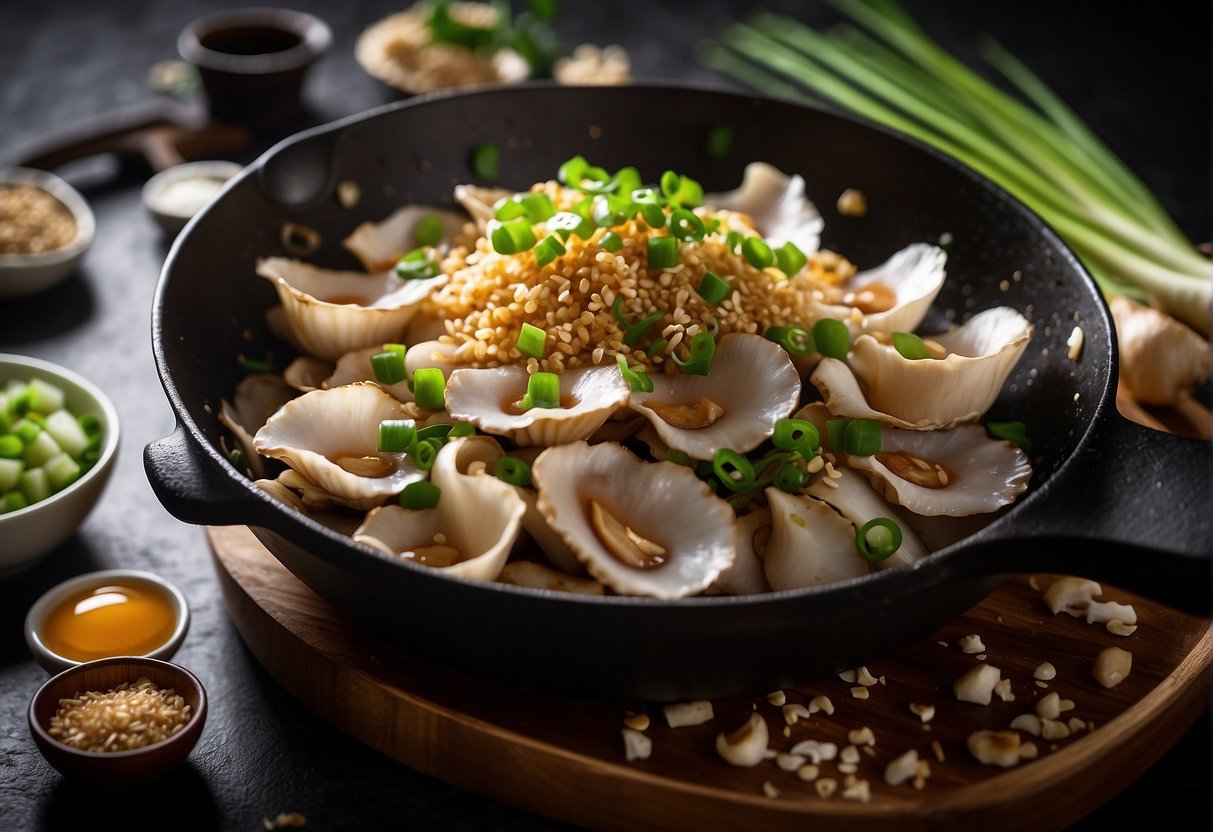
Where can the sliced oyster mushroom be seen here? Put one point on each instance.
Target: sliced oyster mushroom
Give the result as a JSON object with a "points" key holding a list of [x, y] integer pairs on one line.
{"points": [[956, 472], [811, 543], [751, 536], [330, 437], [281, 490], [641, 528], [442, 537], [894, 296], [380, 244], [330, 313], [488, 398], [257, 397], [777, 205], [537, 576], [752, 385], [430, 354], [306, 374], [852, 497]]}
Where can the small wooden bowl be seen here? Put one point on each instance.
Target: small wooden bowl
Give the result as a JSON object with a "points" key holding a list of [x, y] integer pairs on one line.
{"points": [[117, 769]]}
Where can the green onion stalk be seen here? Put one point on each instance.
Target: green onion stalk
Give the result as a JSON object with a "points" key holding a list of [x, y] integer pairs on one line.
{"points": [[889, 70]]}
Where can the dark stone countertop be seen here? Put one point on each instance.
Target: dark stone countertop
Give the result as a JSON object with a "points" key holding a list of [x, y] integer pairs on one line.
{"points": [[1139, 77]]}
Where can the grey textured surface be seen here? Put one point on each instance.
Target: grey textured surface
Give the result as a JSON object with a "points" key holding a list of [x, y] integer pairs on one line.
{"points": [[1141, 81]]}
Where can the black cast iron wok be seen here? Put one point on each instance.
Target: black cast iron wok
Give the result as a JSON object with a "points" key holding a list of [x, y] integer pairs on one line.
{"points": [[1109, 500]]}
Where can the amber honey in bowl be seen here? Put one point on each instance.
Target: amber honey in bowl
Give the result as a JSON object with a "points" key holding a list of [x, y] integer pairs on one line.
{"points": [[126, 617]]}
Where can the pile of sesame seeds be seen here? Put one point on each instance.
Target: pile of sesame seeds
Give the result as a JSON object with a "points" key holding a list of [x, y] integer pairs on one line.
{"points": [[120, 719], [572, 298]]}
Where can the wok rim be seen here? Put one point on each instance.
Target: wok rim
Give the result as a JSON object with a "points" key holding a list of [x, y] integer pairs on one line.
{"points": [[887, 584]]}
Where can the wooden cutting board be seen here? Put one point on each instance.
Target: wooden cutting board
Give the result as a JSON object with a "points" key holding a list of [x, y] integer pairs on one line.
{"points": [[564, 757]]}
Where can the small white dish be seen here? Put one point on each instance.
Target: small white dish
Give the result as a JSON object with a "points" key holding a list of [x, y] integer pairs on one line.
{"points": [[28, 274], [174, 195], [29, 533], [35, 619]]}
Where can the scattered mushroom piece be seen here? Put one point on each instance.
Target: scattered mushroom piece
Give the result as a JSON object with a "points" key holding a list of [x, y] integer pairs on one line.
{"points": [[1028, 723], [1120, 628], [1049, 707], [1002, 689], [849, 676], [1052, 729], [852, 203], [849, 754], [1045, 671], [867, 679], [688, 713], [859, 791], [937, 750], [1075, 724], [901, 768], [789, 762], [769, 789], [977, 685], [1112, 666], [972, 644], [1104, 612], [1028, 751], [808, 773], [859, 692], [1071, 595], [1161, 360], [825, 787], [747, 746], [1033, 583], [1074, 344], [862, 736], [636, 746], [821, 703], [815, 751], [777, 698], [848, 768], [921, 772], [994, 748], [924, 712], [637, 722], [793, 712]]}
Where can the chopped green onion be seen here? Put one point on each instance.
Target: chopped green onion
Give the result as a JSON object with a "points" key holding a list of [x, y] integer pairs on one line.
{"points": [[34, 484], [45, 397], [512, 236], [547, 250], [703, 347], [609, 210], [1013, 432], [256, 365], [11, 447], [685, 226], [61, 471], [531, 340], [878, 539], [27, 430], [419, 264], [711, 226], [428, 231], [663, 253], [567, 223], [677, 457], [535, 207], [836, 430], [399, 349], [795, 339], [790, 258], [669, 183], [444, 28], [435, 433], [396, 436], [832, 337], [425, 452], [712, 288], [732, 240], [462, 429], [862, 437], [733, 470], [637, 381], [389, 367], [42, 448], [611, 241], [756, 252], [420, 495], [720, 139], [796, 435], [910, 346], [637, 331], [627, 180], [429, 388], [13, 501], [486, 159], [542, 390], [681, 190], [653, 214], [790, 477], [513, 470], [580, 174], [657, 347]]}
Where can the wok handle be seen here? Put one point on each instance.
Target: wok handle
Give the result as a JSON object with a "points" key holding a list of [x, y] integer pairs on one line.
{"points": [[1133, 508], [195, 490]]}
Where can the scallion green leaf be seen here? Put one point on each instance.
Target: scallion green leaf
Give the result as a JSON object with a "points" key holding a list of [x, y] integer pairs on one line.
{"points": [[878, 539], [685, 226], [796, 435], [637, 381], [419, 264], [733, 470], [547, 250], [1014, 432], [832, 338], [703, 347], [634, 332], [513, 470], [795, 339], [420, 495], [428, 231], [611, 241], [566, 223]]}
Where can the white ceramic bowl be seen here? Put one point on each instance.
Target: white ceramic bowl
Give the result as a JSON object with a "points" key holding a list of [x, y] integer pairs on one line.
{"points": [[28, 274], [158, 199], [35, 619], [29, 533]]}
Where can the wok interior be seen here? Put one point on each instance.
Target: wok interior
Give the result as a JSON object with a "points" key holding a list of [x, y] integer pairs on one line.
{"points": [[211, 309]]}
